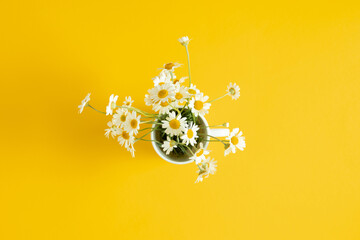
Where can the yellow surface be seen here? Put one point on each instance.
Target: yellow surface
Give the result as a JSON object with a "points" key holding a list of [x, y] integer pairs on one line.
{"points": [[299, 71]]}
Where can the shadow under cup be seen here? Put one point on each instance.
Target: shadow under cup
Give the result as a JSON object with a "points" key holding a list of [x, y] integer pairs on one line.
{"points": [[181, 159]]}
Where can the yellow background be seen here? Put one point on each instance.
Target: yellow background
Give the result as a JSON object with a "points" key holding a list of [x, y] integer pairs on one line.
{"points": [[298, 68]]}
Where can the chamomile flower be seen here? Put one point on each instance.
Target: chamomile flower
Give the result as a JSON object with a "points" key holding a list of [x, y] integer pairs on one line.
{"points": [[181, 95], [164, 77], [177, 81], [132, 123], [207, 167], [112, 104], [200, 154], [171, 66], [148, 100], [234, 91], [128, 101], [192, 90], [236, 140], [184, 40], [169, 145], [162, 93], [125, 138], [198, 104], [190, 135], [174, 125], [113, 130], [162, 107], [119, 118], [84, 103]]}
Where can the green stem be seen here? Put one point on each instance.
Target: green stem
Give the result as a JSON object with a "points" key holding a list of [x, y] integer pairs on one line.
{"points": [[95, 109], [218, 98], [141, 138], [188, 60]]}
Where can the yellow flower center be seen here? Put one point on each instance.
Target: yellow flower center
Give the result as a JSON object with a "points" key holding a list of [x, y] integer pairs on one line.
{"points": [[125, 135], [164, 104], [169, 66], [134, 123], [190, 133], [178, 96], [234, 140], [198, 105], [232, 91], [182, 103], [174, 124], [163, 93], [123, 118], [192, 91], [200, 152], [176, 80]]}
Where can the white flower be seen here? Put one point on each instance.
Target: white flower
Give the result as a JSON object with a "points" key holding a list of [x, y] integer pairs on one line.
{"points": [[112, 104], [184, 40], [169, 145], [162, 107], [198, 104], [119, 118], [235, 141], [131, 149], [174, 125], [199, 155], [84, 102], [148, 101], [181, 96], [128, 101], [234, 91], [207, 167], [171, 66], [113, 130], [162, 93], [125, 138], [164, 77], [132, 123], [190, 135], [192, 90], [179, 81]]}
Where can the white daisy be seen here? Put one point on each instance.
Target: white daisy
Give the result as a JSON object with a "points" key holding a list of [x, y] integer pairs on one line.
{"points": [[169, 145], [84, 103], [190, 135], [192, 90], [179, 81], [148, 100], [162, 107], [235, 141], [132, 123], [207, 167], [181, 96], [112, 104], [162, 93], [128, 101], [198, 104], [184, 40], [174, 125], [164, 77], [119, 118], [199, 155], [234, 91], [171, 66], [125, 138], [113, 130]]}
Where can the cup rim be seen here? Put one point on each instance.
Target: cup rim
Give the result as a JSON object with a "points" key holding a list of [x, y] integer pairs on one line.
{"points": [[168, 159]]}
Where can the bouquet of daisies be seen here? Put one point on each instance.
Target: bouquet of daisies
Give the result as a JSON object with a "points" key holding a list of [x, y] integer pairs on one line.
{"points": [[178, 119]]}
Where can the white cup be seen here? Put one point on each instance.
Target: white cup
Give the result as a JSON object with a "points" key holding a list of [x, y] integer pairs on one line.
{"points": [[216, 132]]}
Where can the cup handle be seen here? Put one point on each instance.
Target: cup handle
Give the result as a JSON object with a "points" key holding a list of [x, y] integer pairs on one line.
{"points": [[219, 132]]}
